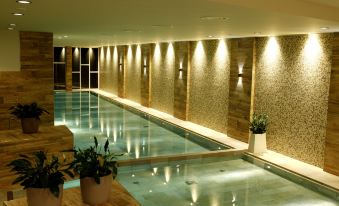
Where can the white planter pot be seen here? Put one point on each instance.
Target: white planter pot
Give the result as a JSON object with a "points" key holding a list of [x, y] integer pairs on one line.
{"points": [[257, 143], [93, 193], [43, 197]]}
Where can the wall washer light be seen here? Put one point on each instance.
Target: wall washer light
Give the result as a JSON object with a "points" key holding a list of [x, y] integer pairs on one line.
{"points": [[18, 14], [23, 2]]}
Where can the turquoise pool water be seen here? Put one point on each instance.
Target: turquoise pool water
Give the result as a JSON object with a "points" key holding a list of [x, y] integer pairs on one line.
{"points": [[88, 115], [215, 182]]}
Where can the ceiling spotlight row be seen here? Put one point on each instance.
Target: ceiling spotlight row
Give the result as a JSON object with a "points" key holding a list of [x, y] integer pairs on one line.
{"points": [[12, 26]]}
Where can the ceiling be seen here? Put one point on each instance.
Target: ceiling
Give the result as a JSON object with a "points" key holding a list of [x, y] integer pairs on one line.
{"points": [[111, 22]]}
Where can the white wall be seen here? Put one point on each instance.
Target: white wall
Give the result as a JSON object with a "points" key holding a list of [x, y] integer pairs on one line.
{"points": [[9, 50]]}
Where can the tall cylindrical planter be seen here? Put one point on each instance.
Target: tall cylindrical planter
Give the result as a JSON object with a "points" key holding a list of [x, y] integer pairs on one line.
{"points": [[93, 193], [30, 125], [257, 143], [43, 197]]}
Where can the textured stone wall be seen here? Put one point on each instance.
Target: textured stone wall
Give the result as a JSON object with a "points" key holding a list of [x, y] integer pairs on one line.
{"points": [[34, 81], [69, 57], [292, 86], [133, 73], [209, 89], [162, 77]]}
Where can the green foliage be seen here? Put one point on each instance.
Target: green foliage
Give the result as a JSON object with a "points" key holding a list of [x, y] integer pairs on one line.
{"points": [[259, 123], [32, 110], [38, 172], [91, 163]]}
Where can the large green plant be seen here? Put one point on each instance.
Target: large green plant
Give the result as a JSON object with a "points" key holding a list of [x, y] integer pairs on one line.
{"points": [[259, 123], [32, 110], [39, 172], [92, 163]]}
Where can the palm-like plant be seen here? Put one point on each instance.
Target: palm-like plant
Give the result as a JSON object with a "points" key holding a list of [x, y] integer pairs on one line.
{"points": [[259, 123], [39, 172], [32, 110], [92, 163]]}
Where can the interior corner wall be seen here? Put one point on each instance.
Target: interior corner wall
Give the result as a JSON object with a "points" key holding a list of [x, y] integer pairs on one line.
{"points": [[162, 77], [108, 75], [209, 87], [24, 86], [9, 51], [133, 75], [292, 85]]}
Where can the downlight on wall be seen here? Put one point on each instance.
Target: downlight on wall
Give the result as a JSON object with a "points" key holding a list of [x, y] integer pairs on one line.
{"points": [[24, 2], [180, 70]]}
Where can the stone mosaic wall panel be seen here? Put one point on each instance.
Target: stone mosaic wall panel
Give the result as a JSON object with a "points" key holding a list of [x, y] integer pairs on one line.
{"points": [[210, 73], [108, 70], [292, 86], [162, 78], [133, 73]]}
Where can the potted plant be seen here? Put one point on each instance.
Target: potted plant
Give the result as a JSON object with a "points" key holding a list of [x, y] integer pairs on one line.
{"points": [[29, 115], [258, 127], [42, 178], [96, 170]]}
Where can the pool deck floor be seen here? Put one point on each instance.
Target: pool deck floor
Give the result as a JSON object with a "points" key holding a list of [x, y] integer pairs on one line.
{"points": [[309, 171]]}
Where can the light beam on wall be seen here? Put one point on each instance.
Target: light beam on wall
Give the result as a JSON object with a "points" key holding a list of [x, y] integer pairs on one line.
{"points": [[170, 52], [129, 53], [272, 50], [199, 54], [312, 50], [138, 53], [221, 50], [157, 53], [115, 54]]}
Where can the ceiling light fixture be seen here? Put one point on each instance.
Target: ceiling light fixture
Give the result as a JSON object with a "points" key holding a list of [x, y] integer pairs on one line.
{"points": [[12, 25], [324, 28], [10, 28], [210, 36], [18, 14], [65, 36], [23, 2]]}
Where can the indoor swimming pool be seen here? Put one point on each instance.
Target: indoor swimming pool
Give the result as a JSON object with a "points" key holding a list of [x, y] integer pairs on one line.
{"points": [[216, 182], [133, 134]]}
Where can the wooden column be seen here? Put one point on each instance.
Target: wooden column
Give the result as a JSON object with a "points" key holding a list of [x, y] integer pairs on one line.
{"points": [[240, 88], [331, 163], [122, 53], [146, 68], [68, 68], [181, 79]]}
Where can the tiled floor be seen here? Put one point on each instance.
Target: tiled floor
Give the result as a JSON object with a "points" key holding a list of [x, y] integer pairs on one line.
{"points": [[293, 165]]}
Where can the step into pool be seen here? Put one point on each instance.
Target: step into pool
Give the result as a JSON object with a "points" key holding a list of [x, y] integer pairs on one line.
{"points": [[130, 132]]}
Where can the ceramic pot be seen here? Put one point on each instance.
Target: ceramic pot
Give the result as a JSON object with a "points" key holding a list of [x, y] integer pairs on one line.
{"points": [[43, 197], [93, 193], [257, 143], [30, 125]]}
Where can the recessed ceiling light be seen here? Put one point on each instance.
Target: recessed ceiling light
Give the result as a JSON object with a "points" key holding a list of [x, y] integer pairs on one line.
{"points": [[210, 36], [18, 14], [12, 25], [23, 2], [10, 28], [211, 18], [257, 33], [65, 36], [324, 28]]}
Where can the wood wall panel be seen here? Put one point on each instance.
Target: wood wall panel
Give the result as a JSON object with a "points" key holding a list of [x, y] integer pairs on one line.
{"points": [[33, 83], [145, 80], [331, 163], [181, 79], [240, 88], [69, 57], [122, 53]]}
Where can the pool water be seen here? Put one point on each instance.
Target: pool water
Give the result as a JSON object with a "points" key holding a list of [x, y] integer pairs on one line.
{"points": [[88, 115], [215, 182]]}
